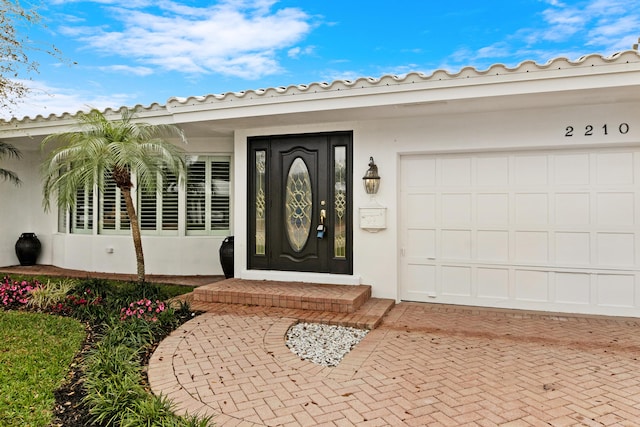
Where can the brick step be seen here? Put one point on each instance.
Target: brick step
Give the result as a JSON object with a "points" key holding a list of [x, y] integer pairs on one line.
{"points": [[368, 316], [293, 295]]}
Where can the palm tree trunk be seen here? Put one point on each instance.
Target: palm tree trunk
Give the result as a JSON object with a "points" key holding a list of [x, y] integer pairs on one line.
{"points": [[135, 233]]}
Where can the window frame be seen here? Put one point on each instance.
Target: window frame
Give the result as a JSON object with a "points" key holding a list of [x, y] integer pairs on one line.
{"points": [[94, 203], [87, 196], [120, 209], [159, 197], [208, 229]]}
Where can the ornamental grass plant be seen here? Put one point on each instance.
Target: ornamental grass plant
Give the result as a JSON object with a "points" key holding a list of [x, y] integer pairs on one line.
{"points": [[51, 295], [123, 323]]}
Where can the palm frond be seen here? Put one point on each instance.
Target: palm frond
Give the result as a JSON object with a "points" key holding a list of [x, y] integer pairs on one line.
{"points": [[8, 150], [119, 147], [7, 175], [103, 145]]}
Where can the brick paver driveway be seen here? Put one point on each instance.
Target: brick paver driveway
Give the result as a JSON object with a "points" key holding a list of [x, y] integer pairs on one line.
{"points": [[427, 365]]}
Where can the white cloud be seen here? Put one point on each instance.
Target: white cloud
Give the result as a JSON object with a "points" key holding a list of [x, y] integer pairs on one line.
{"points": [[563, 23], [45, 100], [128, 3], [236, 38], [619, 32], [127, 69], [496, 50], [297, 51], [610, 7], [604, 25]]}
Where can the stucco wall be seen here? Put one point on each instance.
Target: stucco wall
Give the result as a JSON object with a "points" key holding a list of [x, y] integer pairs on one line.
{"points": [[21, 211], [376, 254], [21, 207]]}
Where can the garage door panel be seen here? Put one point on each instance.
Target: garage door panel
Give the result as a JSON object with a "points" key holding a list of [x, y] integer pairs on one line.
{"points": [[572, 209], [456, 208], [531, 285], [616, 249], [492, 209], [493, 283], [492, 171], [572, 169], [531, 247], [531, 170], [493, 246], [421, 244], [615, 208], [573, 288], [421, 210], [455, 171], [532, 209], [419, 171], [545, 230], [573, 249], [421, 282], [614, 168], [456, 281], [456, 245], [616, 290]]}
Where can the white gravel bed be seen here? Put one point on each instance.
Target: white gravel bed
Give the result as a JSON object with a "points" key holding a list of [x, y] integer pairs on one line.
{"points": [[324, 345]]}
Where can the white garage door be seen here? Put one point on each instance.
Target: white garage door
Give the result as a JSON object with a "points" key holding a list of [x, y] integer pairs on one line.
{"points": [[552, 230]]}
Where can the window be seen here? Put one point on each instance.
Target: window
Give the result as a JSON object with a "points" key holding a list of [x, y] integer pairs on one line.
{"points": [[62, 220], [261, 191], [202, 206], [82, 213], [158, 210], [79, 217], [207, 197], [113, 210]]}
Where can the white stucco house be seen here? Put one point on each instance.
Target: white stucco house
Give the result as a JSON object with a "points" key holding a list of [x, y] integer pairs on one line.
{"points": [[509, 187]]}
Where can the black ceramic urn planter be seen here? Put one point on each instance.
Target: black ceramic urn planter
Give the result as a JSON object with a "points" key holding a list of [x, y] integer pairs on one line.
{"points": [[28, 248], [226, 257]]}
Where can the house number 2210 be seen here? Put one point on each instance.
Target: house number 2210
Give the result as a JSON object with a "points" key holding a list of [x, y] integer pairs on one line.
{"points": [[590, 130]]}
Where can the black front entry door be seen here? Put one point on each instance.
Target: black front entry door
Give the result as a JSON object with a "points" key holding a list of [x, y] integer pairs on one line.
{"points": [[300, 211]]}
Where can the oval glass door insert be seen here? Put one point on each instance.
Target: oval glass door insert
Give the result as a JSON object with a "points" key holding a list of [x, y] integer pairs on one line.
{"points": [[298, 205]]}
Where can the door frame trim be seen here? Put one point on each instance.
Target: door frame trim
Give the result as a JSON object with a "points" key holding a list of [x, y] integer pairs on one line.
{"points": [[257, 143]]}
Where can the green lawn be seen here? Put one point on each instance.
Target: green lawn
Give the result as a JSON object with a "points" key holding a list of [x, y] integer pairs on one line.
{"points": [[36, 351]]}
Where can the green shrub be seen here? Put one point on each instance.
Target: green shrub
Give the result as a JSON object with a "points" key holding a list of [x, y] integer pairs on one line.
{"points": [[136, 335], [196, 421], [113, 373], [158, 411], [151, 412], [115, 394], [109, 397], [113, 370], [106, 361]]}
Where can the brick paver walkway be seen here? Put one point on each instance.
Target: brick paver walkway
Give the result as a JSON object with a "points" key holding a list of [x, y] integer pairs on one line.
{"points": [[426, 365]]}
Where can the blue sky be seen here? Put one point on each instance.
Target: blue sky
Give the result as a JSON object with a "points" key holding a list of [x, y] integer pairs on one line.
{"points": [[129, 52]]}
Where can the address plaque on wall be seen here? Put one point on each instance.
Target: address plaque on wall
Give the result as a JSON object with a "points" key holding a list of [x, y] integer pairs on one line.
{"points": [[590, 130]]}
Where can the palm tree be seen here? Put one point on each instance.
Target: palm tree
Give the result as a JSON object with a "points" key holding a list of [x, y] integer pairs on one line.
{"points": [[119, 148], [10, 151]]}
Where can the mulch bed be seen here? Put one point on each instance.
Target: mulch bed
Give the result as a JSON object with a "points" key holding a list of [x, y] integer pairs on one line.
{"points": [[69, 409]]}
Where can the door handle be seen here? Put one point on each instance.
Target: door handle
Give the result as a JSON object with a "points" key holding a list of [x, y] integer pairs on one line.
{"points": [[321, 227]]}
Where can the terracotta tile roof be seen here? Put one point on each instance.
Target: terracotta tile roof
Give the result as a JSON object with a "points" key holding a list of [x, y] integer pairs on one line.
{"points": [[414, 77], [441, 75]]}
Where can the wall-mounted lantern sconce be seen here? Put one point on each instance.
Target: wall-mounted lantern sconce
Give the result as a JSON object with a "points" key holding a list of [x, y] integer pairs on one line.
{"points": [[371, 179]]}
